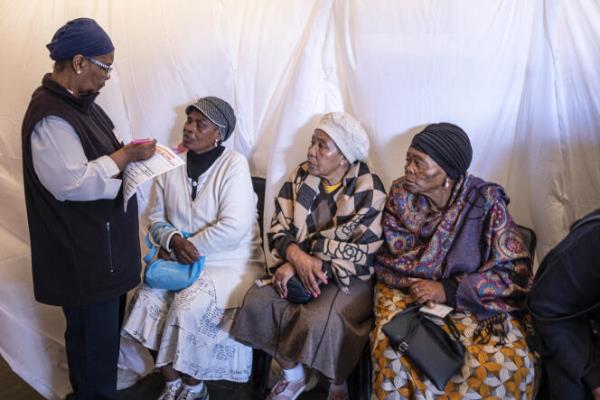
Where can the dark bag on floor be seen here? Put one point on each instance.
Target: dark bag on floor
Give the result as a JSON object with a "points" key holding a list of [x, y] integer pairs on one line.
{"points": [[436, 354]]}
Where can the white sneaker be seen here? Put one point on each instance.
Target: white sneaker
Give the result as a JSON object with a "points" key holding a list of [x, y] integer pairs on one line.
{"points": [[189, 394], [286, 390], [171, 390]]}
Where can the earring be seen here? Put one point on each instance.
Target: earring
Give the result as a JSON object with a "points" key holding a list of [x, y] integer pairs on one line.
{"points": [[78, 71], [446, 183], [216, 142]]}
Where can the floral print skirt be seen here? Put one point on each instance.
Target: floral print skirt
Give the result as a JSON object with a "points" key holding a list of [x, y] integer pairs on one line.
{"points": [[490, 371]]}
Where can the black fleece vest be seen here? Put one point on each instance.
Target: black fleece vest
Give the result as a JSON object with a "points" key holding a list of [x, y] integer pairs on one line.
{"points": [[82, 252]]}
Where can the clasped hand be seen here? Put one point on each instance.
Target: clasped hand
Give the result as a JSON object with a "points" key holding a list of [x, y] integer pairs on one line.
{"points": [[185, 251], [307, 267], [425, 291]]}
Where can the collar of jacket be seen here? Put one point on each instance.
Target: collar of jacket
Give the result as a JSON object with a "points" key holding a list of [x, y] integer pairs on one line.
{"points": [[81, 103]]}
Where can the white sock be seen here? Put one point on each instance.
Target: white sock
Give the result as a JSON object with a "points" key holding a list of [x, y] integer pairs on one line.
{"points": [[342, 387], [194, 388], [294, 374]]}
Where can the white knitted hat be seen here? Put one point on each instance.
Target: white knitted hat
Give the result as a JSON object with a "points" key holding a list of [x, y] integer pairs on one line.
{"points": [[347, 133]]}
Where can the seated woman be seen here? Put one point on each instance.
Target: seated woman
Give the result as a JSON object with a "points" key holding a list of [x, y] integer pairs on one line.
{"points": [[565, 304], [449, 239], [212, 198], [323, 236]]}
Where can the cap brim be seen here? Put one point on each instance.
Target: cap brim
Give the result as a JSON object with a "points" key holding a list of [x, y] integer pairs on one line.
{"points": [[192, 107]]}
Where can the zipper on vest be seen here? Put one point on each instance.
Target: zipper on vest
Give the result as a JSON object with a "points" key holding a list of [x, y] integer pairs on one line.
{"points": [[110, 262]]}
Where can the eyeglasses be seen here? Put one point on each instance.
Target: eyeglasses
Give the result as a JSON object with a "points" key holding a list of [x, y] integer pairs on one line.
{"points": [[107, 68]]}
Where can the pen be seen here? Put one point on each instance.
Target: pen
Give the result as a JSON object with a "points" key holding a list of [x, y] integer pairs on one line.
{"points": [[140, 141]]}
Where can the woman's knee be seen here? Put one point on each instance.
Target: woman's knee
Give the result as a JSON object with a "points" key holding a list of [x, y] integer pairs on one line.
{"points": [[258, 298]]}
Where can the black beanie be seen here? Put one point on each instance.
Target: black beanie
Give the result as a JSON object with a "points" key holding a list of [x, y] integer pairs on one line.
{"points": [[448, 145]]}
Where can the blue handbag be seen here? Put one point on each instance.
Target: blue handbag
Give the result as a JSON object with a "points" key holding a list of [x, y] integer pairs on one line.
{"points": [[166, 274]]}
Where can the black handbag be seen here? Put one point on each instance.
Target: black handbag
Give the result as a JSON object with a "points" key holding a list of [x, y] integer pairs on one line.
{"points": [[428, 347], [296, 292]]}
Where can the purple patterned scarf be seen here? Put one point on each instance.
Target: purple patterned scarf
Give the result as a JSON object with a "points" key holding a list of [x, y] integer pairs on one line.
{"points": [[473, 241]]}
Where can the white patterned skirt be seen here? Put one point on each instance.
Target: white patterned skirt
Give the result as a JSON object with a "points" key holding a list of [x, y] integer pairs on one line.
{"points": [[189, 331]]}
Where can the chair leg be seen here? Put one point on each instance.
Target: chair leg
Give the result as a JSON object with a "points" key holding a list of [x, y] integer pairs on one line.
{"points": [[359, 382], [261, 366]]}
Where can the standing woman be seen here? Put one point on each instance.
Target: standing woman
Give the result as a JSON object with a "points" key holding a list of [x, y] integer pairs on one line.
{"points": [[212, 198], [85, 250]]}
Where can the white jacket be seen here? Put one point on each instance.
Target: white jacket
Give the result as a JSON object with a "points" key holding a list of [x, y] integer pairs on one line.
{"points": [[224, 219]]}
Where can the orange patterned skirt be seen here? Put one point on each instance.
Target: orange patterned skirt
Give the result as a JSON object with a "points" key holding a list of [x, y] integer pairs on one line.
{"points": [[490, 371]]}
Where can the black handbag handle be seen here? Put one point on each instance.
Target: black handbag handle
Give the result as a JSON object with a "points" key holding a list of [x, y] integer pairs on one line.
{"points": [[414, 323], [453, 329]]}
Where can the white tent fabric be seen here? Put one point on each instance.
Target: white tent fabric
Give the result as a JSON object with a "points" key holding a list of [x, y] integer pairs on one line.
{"points": [[519, 76]]}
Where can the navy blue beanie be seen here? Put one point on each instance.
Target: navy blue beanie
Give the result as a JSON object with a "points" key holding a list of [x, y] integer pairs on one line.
{"points": [[448, 145], [80, 36]]}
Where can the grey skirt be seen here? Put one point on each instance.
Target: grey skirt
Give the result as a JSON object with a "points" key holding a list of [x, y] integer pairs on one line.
{"points": [[327, 334]]}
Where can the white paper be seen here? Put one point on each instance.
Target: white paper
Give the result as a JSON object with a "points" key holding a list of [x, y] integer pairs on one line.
{"points": [[138, 172], [263, 282], [438, 310]]}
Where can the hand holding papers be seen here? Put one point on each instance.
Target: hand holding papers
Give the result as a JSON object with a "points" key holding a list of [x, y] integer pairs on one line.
{"points": [[138, 172]]}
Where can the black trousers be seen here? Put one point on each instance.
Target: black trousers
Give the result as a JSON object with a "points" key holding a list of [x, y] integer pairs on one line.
{"points": [[566, 348], [92, 345]]}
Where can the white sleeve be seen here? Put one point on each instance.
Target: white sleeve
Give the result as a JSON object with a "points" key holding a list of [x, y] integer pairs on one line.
{"points": [[236, 215], [157, 215], [64, 170]]}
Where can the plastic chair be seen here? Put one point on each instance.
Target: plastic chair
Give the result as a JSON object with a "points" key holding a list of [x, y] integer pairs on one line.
{"points": [[359, 381], [261, 361], [258, 184], [530, 239]]}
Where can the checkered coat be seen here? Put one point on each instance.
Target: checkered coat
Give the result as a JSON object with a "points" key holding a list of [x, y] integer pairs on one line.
{"points": [[350, 241]]}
